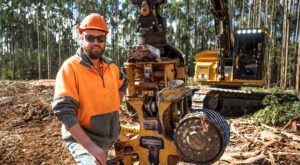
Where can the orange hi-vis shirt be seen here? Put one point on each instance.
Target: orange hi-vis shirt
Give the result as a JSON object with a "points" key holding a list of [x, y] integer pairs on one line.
{"points": [[89, 96]]}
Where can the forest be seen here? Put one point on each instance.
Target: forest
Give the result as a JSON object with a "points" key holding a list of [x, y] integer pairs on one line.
{"points": [[37, 36]]}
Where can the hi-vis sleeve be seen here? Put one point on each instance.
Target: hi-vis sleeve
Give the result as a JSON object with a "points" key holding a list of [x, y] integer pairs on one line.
{"points": [[66, 99]]}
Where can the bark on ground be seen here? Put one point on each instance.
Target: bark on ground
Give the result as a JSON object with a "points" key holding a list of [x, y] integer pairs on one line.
{"points": [[30, 133]]}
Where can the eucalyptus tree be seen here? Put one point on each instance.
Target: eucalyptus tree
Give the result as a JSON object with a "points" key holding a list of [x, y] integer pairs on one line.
{"points": [[283, 51], [298, 70], [271, 43]]}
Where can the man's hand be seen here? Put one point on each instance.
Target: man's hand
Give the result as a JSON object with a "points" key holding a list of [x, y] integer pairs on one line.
{"points": [[97, 154], [94, 151]]}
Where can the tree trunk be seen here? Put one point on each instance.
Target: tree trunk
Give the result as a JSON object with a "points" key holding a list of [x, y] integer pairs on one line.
{"points": [[249, 14], [26, 47], [286, 54], [26, 43], [196, 36], [298, 70], [241, 24], [59, 54], [277, 58], [12, 47], [14, 59], [28, 55], [103, 2], [178, 30], [266, 13], [206, 25], [48, 43], [187, 43], [258, 15], [286, 77], [59, 36], [39, 42], [254, 15], [71, 40], [31, 57], [283, 50], [297, 23], [271, 46], [117, 33]]}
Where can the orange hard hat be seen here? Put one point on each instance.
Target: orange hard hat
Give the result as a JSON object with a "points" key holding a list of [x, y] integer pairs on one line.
{"points": [[93, 21]]}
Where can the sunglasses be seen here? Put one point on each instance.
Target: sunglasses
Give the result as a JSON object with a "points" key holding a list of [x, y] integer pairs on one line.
{"points": [[91, 38]]}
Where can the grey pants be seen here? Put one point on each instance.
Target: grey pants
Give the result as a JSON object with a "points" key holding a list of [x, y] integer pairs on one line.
{"points": [[80, 154]]}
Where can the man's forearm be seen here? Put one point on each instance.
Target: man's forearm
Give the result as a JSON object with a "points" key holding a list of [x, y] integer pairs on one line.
{"points": [[96, 152], [78, 133]]}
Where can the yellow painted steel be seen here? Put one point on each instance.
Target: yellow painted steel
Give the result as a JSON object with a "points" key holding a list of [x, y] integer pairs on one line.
{"points": [[206, 63], [130, 129], [131, 137], [143, 153], [154, 10], [206, 55]]}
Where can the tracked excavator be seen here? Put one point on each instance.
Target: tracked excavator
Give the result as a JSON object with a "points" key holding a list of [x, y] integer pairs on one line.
{"points": [[167, 130], [238, 62]]}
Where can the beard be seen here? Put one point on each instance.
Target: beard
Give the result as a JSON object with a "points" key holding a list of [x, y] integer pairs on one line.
{"points": [[94, 52]]}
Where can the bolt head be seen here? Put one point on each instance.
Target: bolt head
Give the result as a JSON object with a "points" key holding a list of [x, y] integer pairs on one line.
{"points": [[209, 140]]}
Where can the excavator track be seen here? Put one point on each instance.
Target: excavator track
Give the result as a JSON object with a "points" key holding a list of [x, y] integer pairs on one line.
{"points": [[228, 102], [198, 97]]}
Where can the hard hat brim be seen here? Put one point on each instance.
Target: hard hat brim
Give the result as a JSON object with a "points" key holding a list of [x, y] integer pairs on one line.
{"points": [[80, 30]]}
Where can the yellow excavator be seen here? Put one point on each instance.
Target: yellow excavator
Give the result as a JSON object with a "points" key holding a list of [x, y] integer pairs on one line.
{"points": [[239, 61]]}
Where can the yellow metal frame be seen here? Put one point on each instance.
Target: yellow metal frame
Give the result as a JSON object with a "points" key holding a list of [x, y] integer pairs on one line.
{"points": [[236, 82], [168, 155], [208, 60], [169, 146]]}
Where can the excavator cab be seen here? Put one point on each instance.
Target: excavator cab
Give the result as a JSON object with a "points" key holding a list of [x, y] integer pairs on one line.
{"points": [[249, 54], [244, 66]]}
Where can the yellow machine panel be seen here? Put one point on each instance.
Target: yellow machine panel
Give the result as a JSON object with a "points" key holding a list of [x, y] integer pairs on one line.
{"points": [[206, 66]]}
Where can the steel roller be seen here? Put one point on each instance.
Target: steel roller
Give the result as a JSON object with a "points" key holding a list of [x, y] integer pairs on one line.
{"points": [[202, 136]]}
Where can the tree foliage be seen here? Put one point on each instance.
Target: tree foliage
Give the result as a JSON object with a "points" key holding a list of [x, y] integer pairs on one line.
{"points": [[24, 33], [279, 109]]}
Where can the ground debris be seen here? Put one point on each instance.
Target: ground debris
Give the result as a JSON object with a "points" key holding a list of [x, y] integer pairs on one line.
{"points": [[5, 100], [44, 82], [257, 143], [30, 133]]}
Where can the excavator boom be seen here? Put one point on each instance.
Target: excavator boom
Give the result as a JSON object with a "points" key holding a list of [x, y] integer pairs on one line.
{"points": [[221, 9]]}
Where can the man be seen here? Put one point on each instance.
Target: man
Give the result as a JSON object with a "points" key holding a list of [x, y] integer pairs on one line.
{"points": [[88, 92]]}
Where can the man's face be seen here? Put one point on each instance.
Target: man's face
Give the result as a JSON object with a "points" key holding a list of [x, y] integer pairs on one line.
{"points": [[93, 43]]}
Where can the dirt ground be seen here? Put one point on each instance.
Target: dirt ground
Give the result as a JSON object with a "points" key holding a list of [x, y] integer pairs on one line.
{"points": [[30, 134]]}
